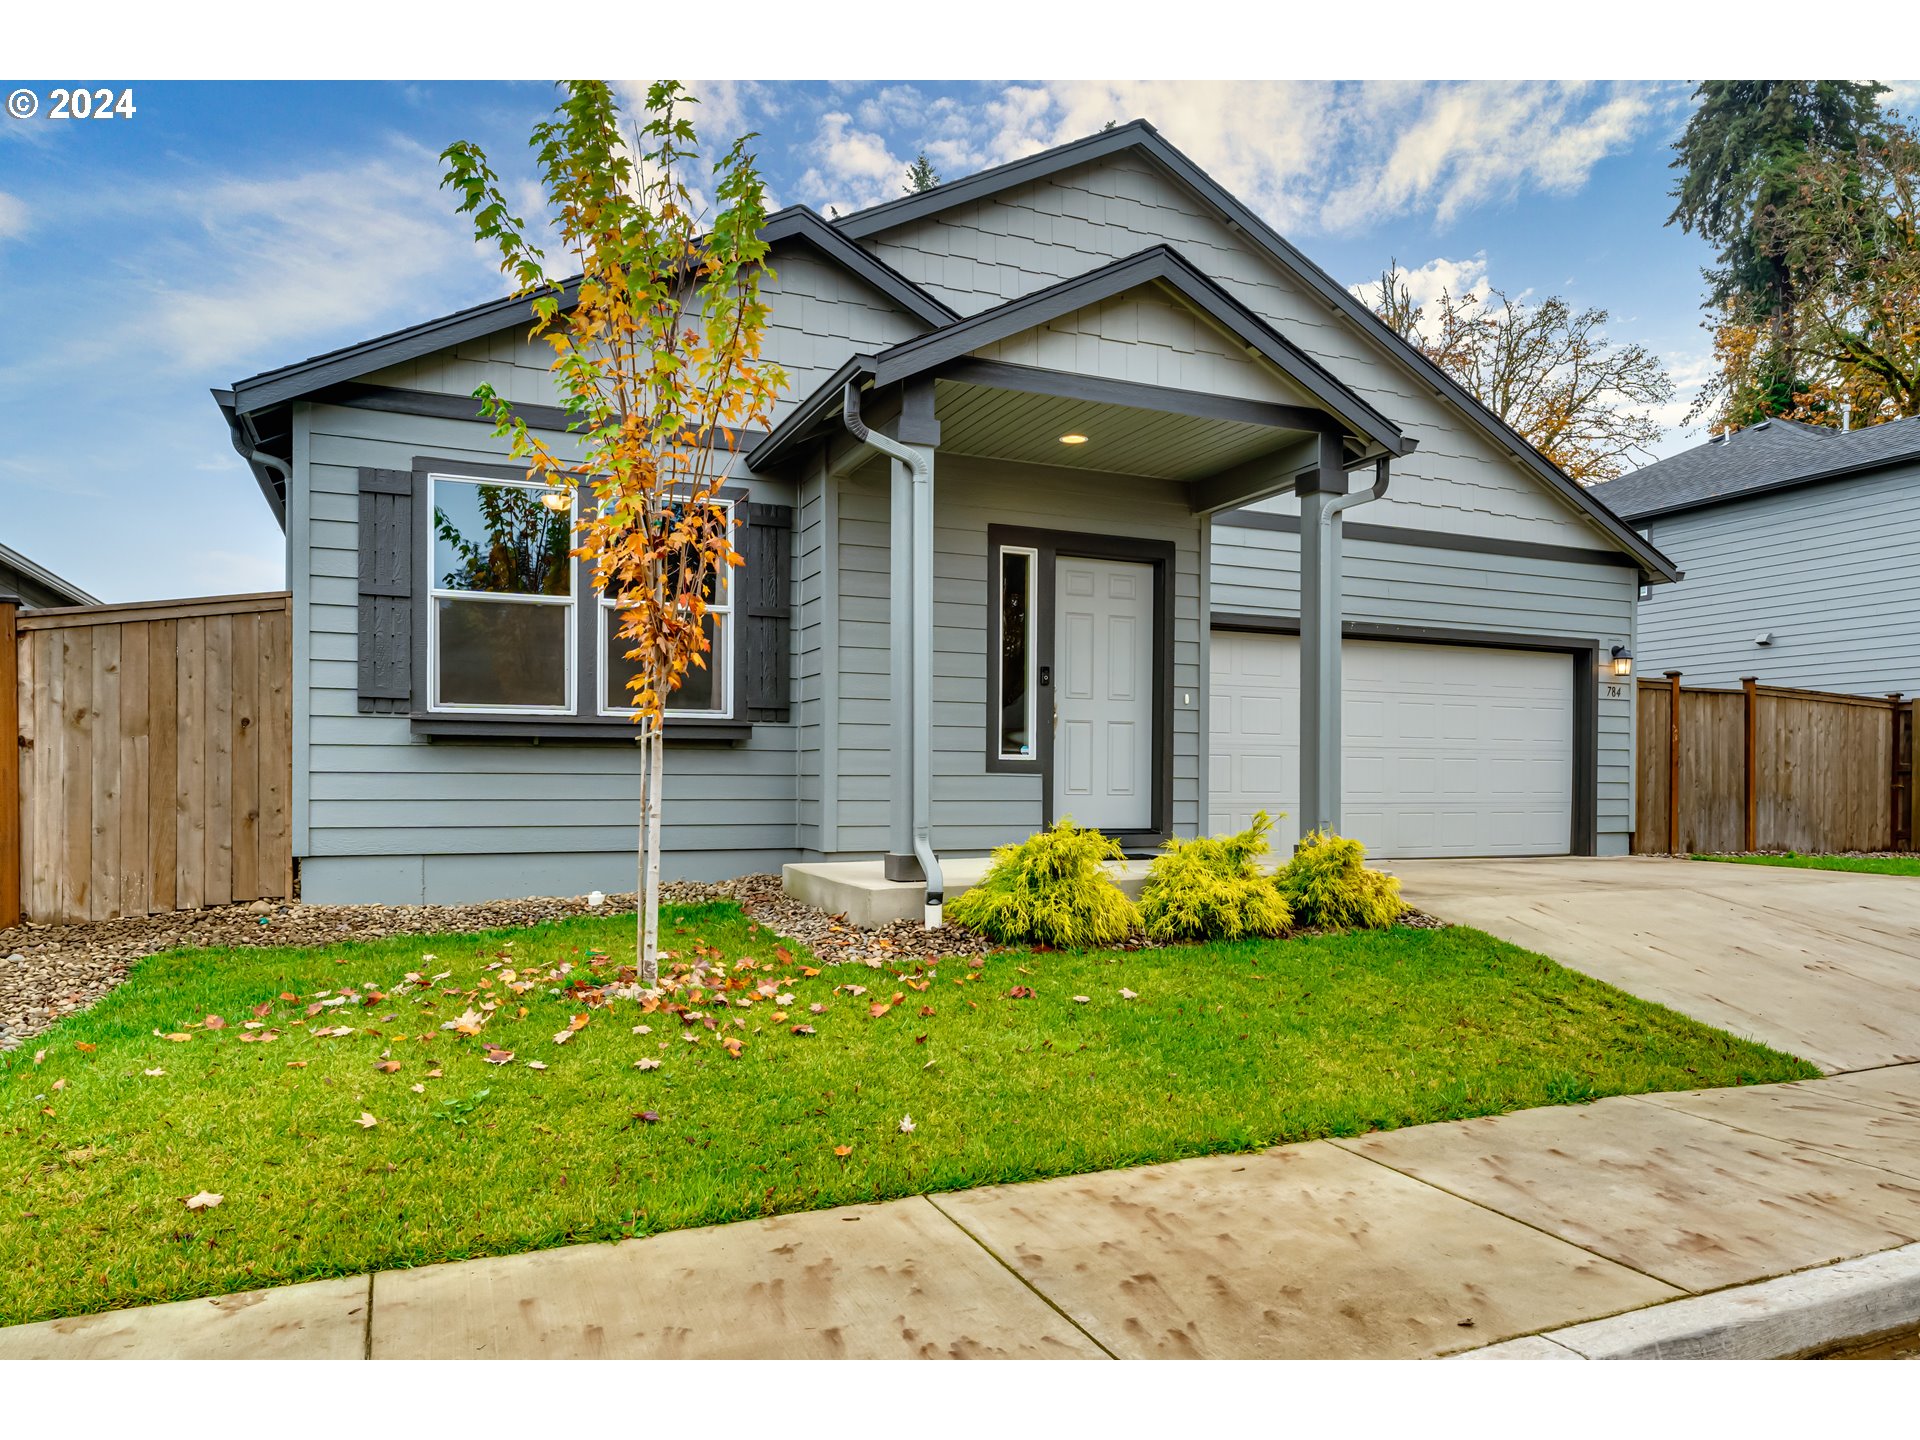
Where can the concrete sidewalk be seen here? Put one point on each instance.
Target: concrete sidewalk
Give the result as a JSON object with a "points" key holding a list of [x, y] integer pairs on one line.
{"points": [[1410, 1243]]}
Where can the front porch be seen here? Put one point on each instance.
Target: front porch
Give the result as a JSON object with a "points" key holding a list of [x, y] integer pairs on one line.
{"points": [[1008, 518]]}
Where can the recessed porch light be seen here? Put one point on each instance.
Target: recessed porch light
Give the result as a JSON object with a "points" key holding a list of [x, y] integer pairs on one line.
{"points": [[1073, 439]]}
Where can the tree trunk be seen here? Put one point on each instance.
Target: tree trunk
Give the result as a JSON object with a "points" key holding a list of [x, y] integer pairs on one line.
{"points": [[650, 900], [640, 867]]}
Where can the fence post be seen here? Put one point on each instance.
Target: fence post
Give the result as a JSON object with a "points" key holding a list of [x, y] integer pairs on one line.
{"points": [[1673, 762], [1750, 832], [11, 912], [1896, 781]]}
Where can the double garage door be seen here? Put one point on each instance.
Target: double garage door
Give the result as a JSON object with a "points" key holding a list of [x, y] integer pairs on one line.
{"points": [[1448, 750]]}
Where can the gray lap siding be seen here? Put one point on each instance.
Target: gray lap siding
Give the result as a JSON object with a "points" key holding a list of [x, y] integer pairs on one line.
{"points": [[974, 810], [381, 813]]}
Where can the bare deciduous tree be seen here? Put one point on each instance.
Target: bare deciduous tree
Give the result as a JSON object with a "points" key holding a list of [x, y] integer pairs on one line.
{"points": [[1549, 371]]}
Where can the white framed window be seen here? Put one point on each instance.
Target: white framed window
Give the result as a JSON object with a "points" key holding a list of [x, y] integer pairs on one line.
{"points": [[1017, 738], [704, 694], [501, 610]]}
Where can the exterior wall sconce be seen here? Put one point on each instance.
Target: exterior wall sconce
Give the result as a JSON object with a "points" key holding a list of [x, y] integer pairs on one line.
{"points": [[1622, 661]]}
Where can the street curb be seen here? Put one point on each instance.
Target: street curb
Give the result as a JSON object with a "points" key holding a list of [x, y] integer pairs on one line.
{"points": [[1781, 1319]]}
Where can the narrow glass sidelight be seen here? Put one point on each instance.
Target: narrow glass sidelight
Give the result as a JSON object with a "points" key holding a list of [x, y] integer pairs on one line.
{"points": [[1017, 654]]}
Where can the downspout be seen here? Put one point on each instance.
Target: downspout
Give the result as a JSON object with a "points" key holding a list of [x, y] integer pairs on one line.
{"points": [[920, 541]]}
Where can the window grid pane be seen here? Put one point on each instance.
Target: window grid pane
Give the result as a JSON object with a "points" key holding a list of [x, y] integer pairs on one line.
{"points": [[702, 692], [705, 692]]}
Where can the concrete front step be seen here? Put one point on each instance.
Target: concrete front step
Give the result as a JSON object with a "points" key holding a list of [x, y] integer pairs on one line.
{"points": [[859, 890]]}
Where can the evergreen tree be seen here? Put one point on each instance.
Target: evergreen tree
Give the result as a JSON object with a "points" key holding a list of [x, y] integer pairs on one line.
{"points": [[1737, 161], [920, 174]]}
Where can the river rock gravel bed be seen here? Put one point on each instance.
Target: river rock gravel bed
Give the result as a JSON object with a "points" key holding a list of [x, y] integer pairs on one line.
{"points": [[47, 971]]}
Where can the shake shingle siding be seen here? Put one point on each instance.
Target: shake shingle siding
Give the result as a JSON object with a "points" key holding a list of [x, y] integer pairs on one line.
{"points": [[1831, 571], [980, 254]]}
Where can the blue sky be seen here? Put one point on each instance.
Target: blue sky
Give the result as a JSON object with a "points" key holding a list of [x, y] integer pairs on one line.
{"points": [[228, 228]]}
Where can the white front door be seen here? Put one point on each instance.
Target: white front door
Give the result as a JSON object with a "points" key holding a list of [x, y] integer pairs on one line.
{"points": [[1103, 734], [1449, 749]]}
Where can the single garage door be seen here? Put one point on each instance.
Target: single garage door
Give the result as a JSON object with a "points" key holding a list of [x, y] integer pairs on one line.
{"points": [[1449, 750]]}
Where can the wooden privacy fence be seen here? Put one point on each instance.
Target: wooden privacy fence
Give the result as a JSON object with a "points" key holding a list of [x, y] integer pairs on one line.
{"points": [[1765, 767], [155, 753]]}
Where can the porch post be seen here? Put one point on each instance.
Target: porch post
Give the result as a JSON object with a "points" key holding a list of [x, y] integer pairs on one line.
{"points": [[1319, 489], [910, 636], [900, 863]]}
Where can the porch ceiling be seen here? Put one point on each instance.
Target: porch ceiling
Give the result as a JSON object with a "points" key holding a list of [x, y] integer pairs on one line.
{"points": [[1000, 424]]}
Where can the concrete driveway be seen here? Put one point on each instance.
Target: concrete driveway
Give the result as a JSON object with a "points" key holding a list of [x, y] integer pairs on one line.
{"points": [[1819, 963]]}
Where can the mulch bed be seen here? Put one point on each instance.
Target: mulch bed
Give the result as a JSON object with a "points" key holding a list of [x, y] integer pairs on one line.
{"points": [[47, 971]]}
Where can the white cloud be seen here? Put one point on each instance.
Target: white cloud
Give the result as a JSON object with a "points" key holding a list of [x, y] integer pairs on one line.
{"points": [[310, 254], [1442, 149], [1690, 371], [1903, 97], [14, 217], [851, 168], [243, 272], [1426, 283], [1306, 155]]}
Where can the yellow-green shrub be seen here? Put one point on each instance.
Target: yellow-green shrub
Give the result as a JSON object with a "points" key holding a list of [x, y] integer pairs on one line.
{"points": [[1328, 886], [1214, 888], [1050, 890]]}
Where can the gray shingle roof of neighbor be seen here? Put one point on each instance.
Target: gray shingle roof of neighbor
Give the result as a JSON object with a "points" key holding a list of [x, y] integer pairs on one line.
{"points": [[1771, 455]]}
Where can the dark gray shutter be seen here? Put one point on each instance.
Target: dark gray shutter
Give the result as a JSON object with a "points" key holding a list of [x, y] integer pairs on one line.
{"points": [[386, 591], [767, 578]]}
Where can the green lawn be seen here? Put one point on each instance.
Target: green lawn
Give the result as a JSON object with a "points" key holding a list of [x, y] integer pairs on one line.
{"points": [[1863, 864], [1223, 1048]]}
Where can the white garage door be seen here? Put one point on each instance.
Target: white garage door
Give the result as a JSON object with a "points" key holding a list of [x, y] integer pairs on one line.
{"points": [[1448, 750]]}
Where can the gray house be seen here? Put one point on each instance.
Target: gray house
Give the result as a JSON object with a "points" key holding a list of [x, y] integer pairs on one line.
{"points": [[1801, 547], [1023, 542], [37, 587]]}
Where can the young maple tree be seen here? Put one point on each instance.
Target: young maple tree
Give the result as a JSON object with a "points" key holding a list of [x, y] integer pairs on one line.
{"points": [[657, 358]]}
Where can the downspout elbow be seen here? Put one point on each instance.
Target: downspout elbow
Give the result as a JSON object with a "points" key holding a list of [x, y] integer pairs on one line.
{"points": [[1361, 497], [273, 463]]}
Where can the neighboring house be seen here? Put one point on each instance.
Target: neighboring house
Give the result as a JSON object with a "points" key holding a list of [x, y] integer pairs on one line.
{"points": [[1114, 621], [1801, 548], [37, 587]]}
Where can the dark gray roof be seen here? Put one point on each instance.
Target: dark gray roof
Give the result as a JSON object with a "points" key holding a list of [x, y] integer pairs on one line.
{"points": [[36, 584], [254, 407], [1158, 264], [1772, 455]]}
